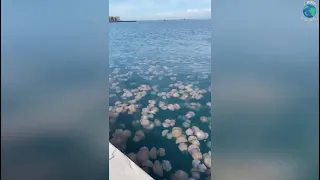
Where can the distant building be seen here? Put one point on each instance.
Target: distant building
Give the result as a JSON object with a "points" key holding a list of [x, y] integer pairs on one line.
{"points": [[114, 18]]}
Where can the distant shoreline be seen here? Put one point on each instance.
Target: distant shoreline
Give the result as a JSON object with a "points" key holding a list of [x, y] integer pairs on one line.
{"points": [[120, 21]]}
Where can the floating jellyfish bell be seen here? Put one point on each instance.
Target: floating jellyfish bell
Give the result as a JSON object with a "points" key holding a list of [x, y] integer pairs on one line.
{"points": [[157, 122], [183, 147], [203, 119], [190, 138], [202, 168], [157, 168], [189, 132], [150, 126], [186, 124], [164, 132], [195, 142], [139, 136], [207, 160], [195, 175], [142, 155], [153, 153], [147, 163], [169, 136], [181, 139], [166, 165], [176, 132], [195, 163], [144, 122], [161, 152], [179, 175]]}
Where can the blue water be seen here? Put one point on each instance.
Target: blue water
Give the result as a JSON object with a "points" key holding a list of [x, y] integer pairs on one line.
{"points": [[181, 47]]}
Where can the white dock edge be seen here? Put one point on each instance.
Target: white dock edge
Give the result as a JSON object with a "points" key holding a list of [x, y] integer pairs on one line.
{"points": [[122, 168]]}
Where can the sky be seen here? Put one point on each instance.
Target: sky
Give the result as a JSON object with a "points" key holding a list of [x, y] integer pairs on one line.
{"points": [[160, 9]]}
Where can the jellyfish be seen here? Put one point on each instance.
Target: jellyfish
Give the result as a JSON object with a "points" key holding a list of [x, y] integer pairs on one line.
{"points": [[203, 119], [181, 139], [176, 106], [190, 138], [139, 136], [179, 175], [195, 163], [171, 107], [207, 160], [201, 135], [186, 124], [195, 129], [161, 152], [202, 168], [195, 175], [147, 163], [189, 132], [143, 155], [195, 142], [150, 126], [166, 165], [157, 168], [144, 122], [169, 136], [183, 147], [164, 132], [176, 132], [157, 122], [153, 153]]}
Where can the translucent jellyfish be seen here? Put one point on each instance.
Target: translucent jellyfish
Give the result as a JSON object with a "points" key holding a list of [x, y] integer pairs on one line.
{"points": [[161, 152], [169, 136], [164, 107], [207, 160], [171, 107], [153, 153], [195, 142], [176, 132], [195, 129], [165, 124], [202, 168], [164, 132], [150, 126], [157, 168], [196, 155], [183, 147], [166, 165], [189, 132], [147, 163], [195, 175], [186, 124], [172, 122], [179, 175], [181, 139], [139, 136], [195, 163], [143, 155], [176, 106], [144, 122], [208, 104], [201, 135], [127, 133], [157, 122], [209, 144], [203, 119], [190, 138]]}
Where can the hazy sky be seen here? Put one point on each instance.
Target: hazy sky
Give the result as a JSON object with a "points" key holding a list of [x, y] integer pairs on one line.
{"points": [[160, 9]]}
